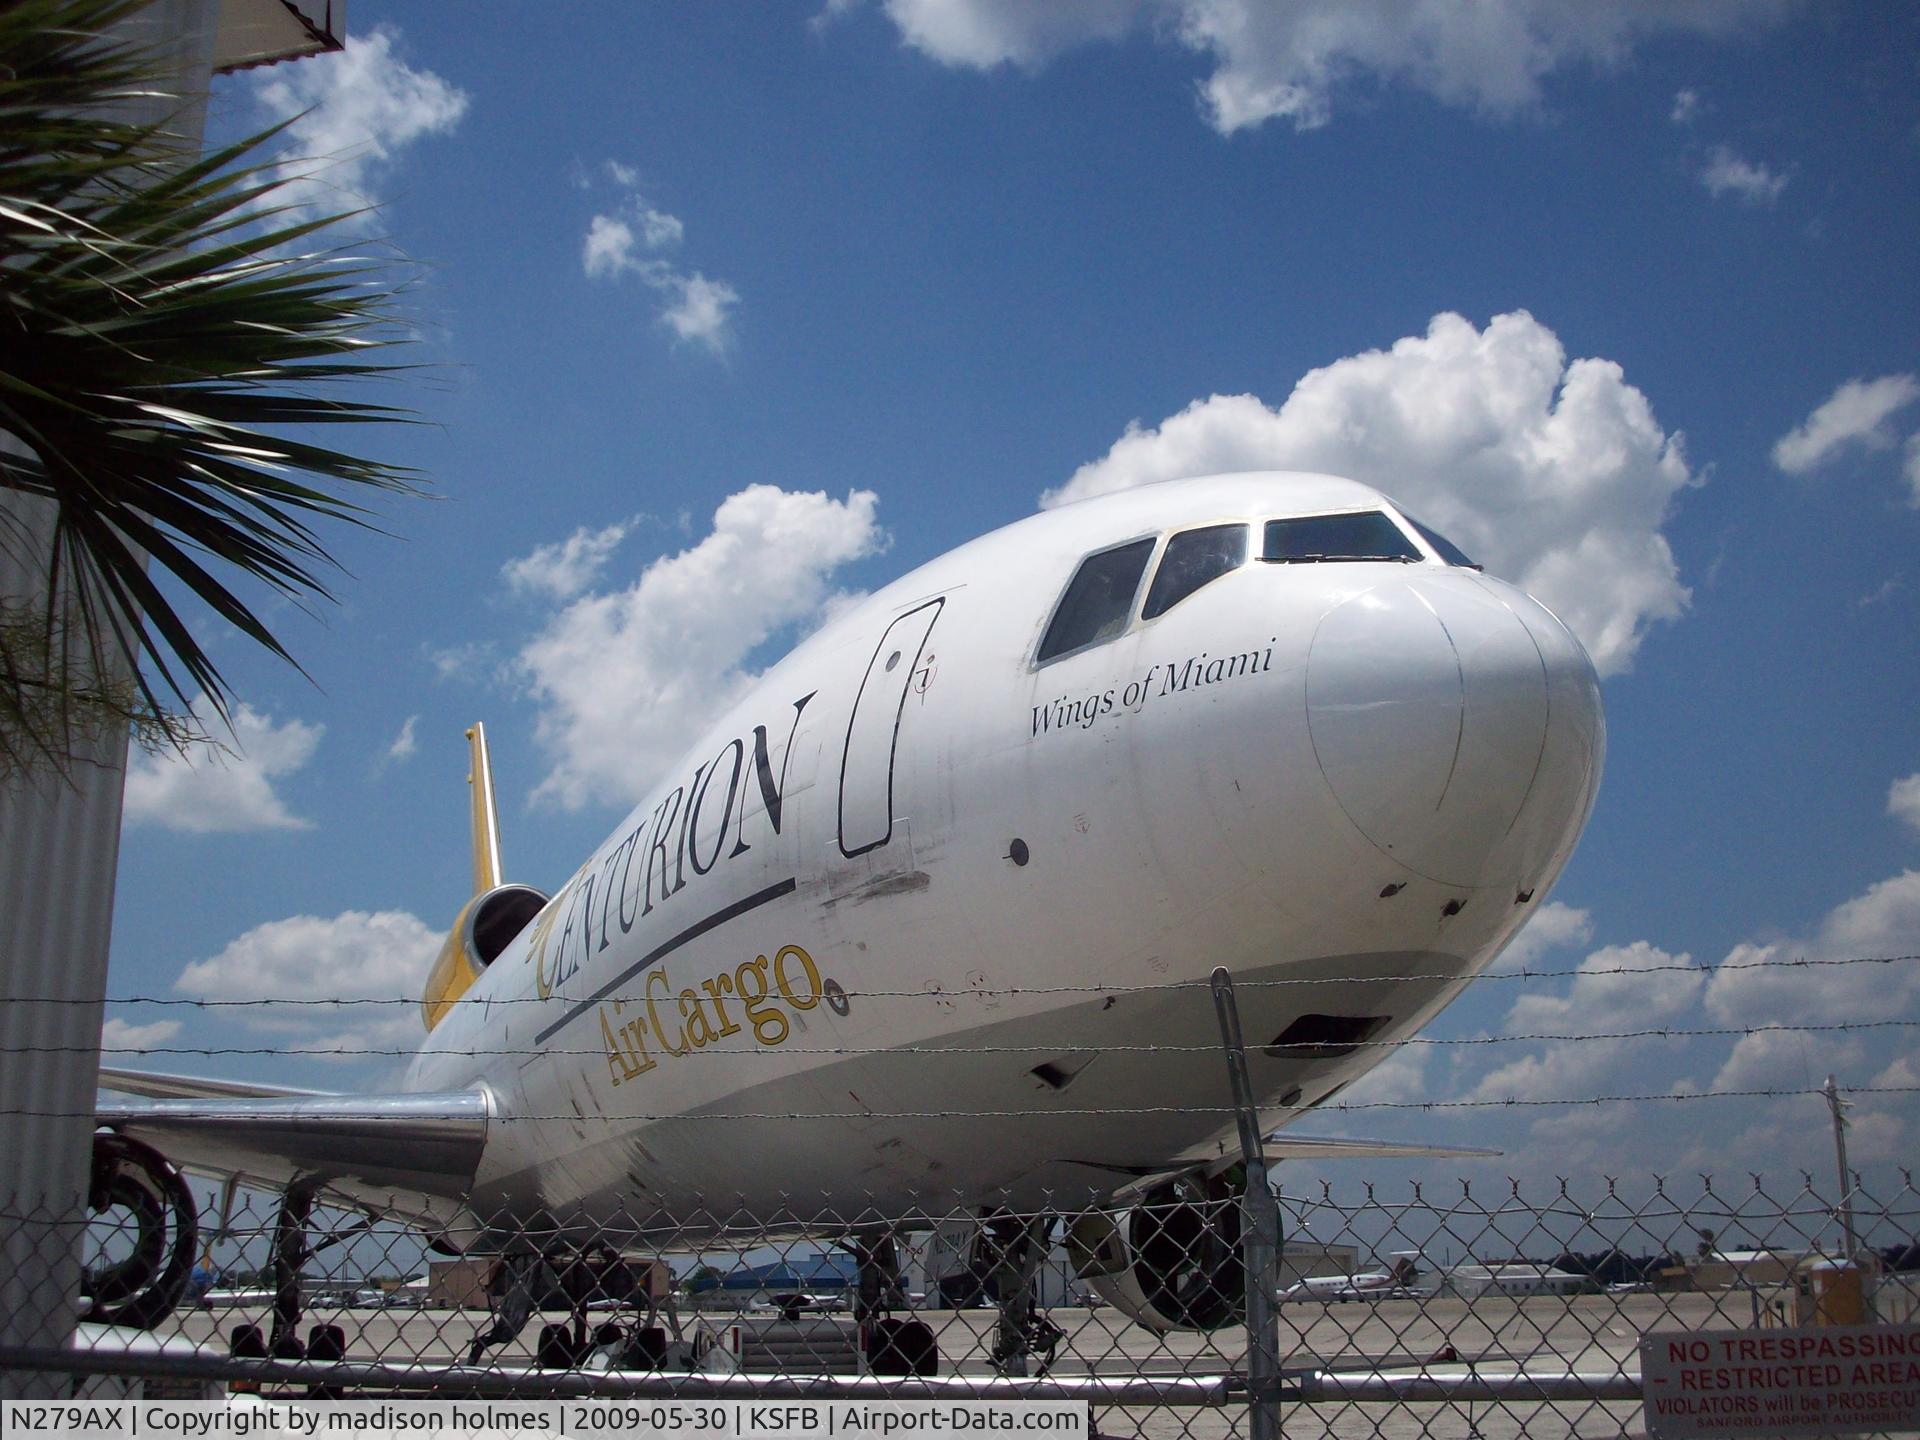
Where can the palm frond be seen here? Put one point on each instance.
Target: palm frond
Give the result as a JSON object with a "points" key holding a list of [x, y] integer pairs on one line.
{"points": [[164, 322]]}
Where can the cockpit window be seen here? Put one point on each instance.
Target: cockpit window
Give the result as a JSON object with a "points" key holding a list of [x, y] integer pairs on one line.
{"points": [[1368, 535], [1443, 547], [1194, 558], [1098, 600]]}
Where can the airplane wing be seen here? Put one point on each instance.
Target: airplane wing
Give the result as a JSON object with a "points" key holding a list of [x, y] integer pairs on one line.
{"points": [[410, 1155], [193, 1087], [1284, 1145]]}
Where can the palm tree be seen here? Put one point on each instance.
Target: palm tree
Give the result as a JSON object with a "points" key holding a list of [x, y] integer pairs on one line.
{"points": [[166, 319]]}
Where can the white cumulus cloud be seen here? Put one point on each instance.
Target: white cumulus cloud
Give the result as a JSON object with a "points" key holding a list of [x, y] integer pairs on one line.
{"points": [[625, 676], [699, 309], [1617, 988], [1554, 926], [404, 744], [229, 787], [1855, 414], [121, 1039], [1903, 800], [633, 240], [1287, 59], [357, 955], [1555, 475], [1617, 991], [356, 112], [1727, 172], [566, 567], [1782, 1060], [1760, 984]]}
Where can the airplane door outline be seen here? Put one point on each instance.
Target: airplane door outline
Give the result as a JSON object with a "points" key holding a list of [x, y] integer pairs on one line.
{"points": [[873, 731]]}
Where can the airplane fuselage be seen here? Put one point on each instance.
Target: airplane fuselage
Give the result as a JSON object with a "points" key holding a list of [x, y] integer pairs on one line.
{"points": [[924, 912]]}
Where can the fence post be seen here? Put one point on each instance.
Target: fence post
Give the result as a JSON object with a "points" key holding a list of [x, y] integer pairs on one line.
{"points": [[1259, 1229]]}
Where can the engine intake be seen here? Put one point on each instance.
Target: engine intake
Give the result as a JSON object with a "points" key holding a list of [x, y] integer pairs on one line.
{"points": [[158, 1223], [1171, 1261], [484, 928]]}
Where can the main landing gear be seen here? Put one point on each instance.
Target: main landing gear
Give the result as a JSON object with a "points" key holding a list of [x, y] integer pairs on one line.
{"points": [[291, 1252], [1008, 1252], [893, 1344], [526, 1282]]}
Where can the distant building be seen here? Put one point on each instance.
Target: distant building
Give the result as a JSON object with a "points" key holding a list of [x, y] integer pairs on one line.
{"points": [[1516, 1277], [467, 1284], [1728, 1269], [460, 1284], [831, 1276], [1731, 1270]]}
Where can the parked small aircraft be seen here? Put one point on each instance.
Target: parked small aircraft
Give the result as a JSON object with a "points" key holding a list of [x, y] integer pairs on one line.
{"points": [[1397, 1281]]}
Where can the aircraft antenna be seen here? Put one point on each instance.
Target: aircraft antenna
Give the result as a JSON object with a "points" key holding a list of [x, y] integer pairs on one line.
{"points": [[486, 821]]}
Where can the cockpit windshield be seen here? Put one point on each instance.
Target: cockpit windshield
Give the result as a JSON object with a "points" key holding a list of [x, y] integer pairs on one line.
{"points": [[1365, 535], [1099, 599], [1194, 558], [1443, 547]]}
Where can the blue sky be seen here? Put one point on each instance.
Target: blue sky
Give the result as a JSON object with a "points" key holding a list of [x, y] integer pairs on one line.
{"points": [[1625, 297]]}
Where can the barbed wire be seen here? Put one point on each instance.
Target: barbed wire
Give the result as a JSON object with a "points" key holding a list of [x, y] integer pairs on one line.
{"points": [[1001, 991], [130, 1114], [1301, 1050]]}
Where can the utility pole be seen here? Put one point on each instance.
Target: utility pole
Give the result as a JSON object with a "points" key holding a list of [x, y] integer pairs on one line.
{"points": [[1838, 1107], [1260, 1227]]}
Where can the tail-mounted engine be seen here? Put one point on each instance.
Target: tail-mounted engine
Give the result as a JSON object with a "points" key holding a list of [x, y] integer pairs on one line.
{"points": [[481, 932], [146, 1225], [1171, 1261], [496, 913]]}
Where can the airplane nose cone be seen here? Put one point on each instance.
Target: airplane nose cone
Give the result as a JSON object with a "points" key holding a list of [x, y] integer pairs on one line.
{"points": [[1457, 724]]}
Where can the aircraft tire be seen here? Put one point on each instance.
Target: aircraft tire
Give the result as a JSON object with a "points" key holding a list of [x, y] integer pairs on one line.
{"points": [[901, 1347], [915, 1341], [648, 1349], [325, 1342], [555, 1350]]}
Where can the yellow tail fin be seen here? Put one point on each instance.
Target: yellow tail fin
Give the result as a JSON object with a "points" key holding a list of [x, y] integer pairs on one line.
{"points": [[487, 870]]}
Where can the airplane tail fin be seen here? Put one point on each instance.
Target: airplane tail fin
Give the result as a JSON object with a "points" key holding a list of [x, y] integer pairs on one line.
{"points": [[486, 820], [494, 914]]}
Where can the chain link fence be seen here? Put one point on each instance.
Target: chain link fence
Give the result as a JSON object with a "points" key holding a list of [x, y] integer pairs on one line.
{"points": [[1468, 1311]]}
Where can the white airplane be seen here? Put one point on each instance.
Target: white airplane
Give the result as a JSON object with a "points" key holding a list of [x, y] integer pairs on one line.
{"points": [[1400, 1279], [934, 905]]}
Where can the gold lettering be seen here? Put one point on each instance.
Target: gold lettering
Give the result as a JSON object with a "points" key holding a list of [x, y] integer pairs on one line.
{"points": [[713, 987], [653, 1015], [813, 977], [537, 946], [636, 1033], [699, 1033], [770, 1027], [616, 1053]]}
